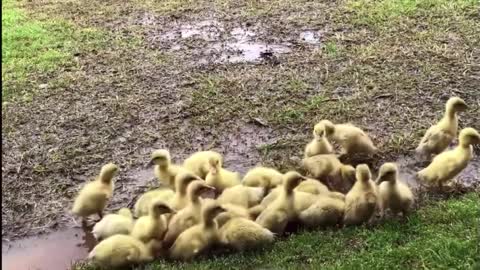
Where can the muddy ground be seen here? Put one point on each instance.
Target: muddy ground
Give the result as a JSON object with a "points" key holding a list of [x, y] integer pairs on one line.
{"points": [[246, 79]]}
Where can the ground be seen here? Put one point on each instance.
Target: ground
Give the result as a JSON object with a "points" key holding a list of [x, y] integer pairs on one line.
{"points": [[85, 83]]}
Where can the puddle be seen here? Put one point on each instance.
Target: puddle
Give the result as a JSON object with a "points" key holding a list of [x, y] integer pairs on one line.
{"points": [[409, 166], [210, 41], [310, 37], [54, 251]]}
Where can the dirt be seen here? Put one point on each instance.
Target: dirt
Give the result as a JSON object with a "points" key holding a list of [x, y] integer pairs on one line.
{"points": [[247, 85]]}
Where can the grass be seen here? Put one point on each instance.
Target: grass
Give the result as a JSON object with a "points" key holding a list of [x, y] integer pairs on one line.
{"points": [[441, 235], [35, 48]]}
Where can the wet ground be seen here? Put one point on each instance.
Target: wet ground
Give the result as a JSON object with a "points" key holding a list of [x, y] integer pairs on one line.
{"points": [[247, 85], [53, 251]]}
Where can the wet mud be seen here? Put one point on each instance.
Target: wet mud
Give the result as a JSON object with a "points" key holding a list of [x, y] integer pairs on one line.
{"points": [[54, 251]]}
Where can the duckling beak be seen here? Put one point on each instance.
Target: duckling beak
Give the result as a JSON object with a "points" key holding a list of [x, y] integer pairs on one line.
{"points": [[150, 163]]}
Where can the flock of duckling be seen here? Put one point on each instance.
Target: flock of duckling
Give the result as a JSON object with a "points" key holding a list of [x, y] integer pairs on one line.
{"points": [[176, 221]]}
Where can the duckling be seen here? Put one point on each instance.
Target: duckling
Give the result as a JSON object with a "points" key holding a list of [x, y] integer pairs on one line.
{"points": [[320, 144], [111, 224], [200, 237], [439, 136], [182, 180], [393, 194], [154, 225], [164, 170], [449, 164], [188, 216], [262, 177], [242, 195], [122, 250], [326, 211], [93, 197], [242, 233], [312, 186], [282, 210], [143, 204], [322, 167], [361, 201], [220, 178], [198, 163], [351, 138]]}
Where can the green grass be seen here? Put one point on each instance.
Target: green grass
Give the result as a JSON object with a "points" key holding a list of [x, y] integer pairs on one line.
{"points": [[35, 48], [378, 12], [442, 235]]}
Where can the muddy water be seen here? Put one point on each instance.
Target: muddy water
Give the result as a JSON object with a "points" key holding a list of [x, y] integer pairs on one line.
{"points": [[469, 178], [214, 41], [54, 251]]}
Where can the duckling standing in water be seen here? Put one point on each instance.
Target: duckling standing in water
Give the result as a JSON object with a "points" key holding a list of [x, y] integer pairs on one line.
{"points": [[182, 180], [154, 225], [351, 138], [320, 144], [262, 177], [362, 200], [93, 197], [188, 216], [198, 163], [449, 164], [144, 203], [164, 170], [220, 178], [242, 195], [393, 193], [111, 224], [276, 215], [122, 250], [439, 136], [323, 167], [200, 237], [242, 233]]}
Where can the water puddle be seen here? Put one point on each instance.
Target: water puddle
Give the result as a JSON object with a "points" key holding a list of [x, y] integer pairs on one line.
{"points": [[469, 178], [211, 41], [54, 251], [310, 37]]}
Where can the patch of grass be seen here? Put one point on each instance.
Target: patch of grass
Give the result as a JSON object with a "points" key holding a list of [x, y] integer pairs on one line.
{"points": [[377, 12], [442, 235], [30, 46]]}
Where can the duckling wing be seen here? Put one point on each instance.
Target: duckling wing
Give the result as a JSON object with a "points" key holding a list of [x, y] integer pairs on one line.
{"points": [[435, 139]]}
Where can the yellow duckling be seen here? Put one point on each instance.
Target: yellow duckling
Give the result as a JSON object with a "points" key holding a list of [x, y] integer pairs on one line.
{"points": [[324, 167], [122, 250], [262, 177], [449, 164], [200, 237], [144, 203], [326, 211], [242, 195], [198, 163], [93, 197], [164, 170], [242, 233], [111, 224], [312, 186], [188, 216], [361, 201], [320, 144], [220, 178], [154, 225], [182, 180], [282, 210], [439, 136], [351, 138], [394, 194]]}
